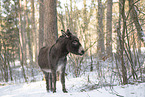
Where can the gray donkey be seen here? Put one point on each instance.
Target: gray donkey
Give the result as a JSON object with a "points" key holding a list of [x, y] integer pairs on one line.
{"points": [[53, 59]]}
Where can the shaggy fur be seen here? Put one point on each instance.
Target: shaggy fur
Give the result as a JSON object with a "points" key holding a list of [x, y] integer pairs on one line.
{"points": [[53, 59]]}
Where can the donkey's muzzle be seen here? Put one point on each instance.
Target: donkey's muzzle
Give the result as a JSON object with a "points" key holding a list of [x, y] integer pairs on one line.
{"points": [[81, 50]]}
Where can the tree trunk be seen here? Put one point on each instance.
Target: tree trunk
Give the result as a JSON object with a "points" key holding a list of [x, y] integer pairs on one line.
{"points": [[135, 19], [109, 29], [85, 24], [10, 69], [24, 34], [70, 26], [41, 24], [122, 41], [50, 22], [86, 20], [100, 45], [33, 34], [21, 57], [61, 21], [5, 63]]}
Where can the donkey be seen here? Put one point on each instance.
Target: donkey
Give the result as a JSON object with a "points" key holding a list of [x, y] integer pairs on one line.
{"points": [[53, 59]]}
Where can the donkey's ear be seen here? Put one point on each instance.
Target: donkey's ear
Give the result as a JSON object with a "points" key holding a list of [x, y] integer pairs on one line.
{"points": [[68, 32], [64, 33]]}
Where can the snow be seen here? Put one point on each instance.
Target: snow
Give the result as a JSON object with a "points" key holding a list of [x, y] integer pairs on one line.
{"points": [[77, 87], [143, 38], [89, 84], [143, 35]]}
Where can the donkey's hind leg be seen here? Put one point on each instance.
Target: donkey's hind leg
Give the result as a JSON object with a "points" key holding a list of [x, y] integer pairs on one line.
{"points": [[50, 81], [47, 81]]}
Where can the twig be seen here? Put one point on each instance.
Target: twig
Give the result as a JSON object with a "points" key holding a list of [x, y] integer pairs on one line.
{"points": [[91, 46], [139, 10]]}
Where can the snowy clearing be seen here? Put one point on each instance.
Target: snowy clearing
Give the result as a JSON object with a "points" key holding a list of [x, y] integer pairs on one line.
{"points": [[75, 87]]}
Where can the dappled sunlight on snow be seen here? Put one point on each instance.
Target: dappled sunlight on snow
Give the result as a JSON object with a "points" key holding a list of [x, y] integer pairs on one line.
{"points": [[74, 87]]}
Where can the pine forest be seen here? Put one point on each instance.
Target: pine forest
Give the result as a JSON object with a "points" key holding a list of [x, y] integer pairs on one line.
{"points": [[112, 33]]}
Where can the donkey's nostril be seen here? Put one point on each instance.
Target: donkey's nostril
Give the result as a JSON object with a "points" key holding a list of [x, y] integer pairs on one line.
{"points": [[82, 51]]}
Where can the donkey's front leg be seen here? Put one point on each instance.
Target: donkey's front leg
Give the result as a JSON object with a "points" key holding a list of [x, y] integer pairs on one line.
{"points": [[54, 81], [62, 74]]}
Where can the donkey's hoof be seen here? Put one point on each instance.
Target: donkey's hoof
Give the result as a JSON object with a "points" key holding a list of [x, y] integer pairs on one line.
{"points": [[65, 91], [48, 90], [54, 91]]}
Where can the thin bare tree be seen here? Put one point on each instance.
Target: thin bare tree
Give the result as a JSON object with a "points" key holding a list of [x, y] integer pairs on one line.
{"points": [[100, 32], [109, 29]]}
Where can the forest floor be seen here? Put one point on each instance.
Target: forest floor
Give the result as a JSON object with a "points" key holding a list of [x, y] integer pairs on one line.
{"points": [[77, 87]]}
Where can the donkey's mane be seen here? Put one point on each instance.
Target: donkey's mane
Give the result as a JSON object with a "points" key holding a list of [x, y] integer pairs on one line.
{"points": [[61, 38]]}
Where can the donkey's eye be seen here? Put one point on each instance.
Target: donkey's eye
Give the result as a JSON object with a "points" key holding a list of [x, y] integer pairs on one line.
{"points": [[75, 43]]}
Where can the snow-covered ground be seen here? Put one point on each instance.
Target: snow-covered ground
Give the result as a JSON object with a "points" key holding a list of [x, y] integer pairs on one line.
{"points": [[89, 84], [77, 87]]}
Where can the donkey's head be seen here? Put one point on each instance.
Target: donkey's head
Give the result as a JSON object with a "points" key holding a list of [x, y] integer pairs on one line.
{"points": [[73, 44]]}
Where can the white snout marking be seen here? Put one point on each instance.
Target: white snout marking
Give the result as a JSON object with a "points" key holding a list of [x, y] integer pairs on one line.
{"points": [[80, 50]]}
